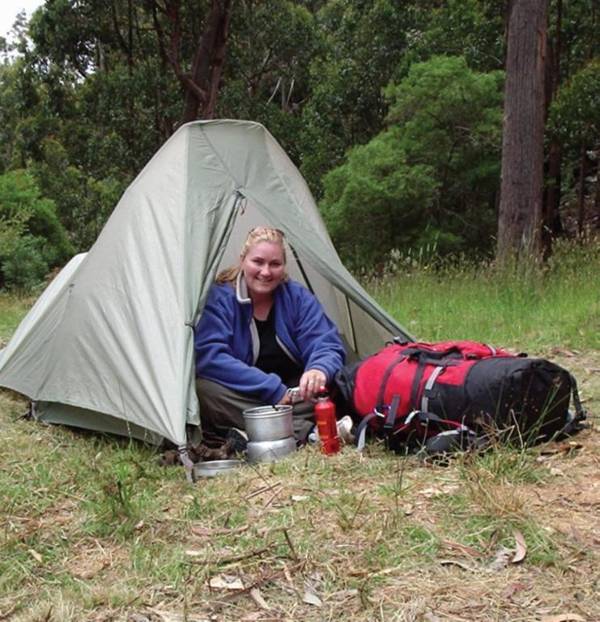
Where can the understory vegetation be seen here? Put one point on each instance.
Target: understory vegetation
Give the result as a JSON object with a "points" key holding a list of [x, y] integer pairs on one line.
{"points": [[93, 528], [538, 307]]}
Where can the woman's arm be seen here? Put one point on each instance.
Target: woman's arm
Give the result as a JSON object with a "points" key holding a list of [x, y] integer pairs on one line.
{"points": [[319, 341]]}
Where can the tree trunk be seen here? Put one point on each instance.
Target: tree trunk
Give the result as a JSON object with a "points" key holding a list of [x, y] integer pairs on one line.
{"points": [[202, 85], [519, 222], [551, 221], [581, 192], [597, 193]]}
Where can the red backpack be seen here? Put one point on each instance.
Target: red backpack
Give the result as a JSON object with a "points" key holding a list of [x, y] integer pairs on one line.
{"points": [[436, 394]]}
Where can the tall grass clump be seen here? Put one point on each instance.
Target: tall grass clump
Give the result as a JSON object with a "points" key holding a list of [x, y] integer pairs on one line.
{"points": [[541, 306]]}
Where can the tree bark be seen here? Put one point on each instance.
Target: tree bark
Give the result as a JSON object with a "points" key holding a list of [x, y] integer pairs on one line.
{"points": [[597, 193], [551, 221], [520, 214], [202, 85], [581, 192]]}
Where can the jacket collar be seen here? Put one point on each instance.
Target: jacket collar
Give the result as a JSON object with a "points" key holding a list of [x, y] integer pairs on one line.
{"points": [[241, 290]]}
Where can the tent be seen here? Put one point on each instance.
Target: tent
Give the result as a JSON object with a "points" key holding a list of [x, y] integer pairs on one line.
{"points": [[109, 344]]}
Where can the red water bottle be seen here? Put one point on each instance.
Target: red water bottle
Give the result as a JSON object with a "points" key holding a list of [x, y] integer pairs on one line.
{"points": [[326, 423]]}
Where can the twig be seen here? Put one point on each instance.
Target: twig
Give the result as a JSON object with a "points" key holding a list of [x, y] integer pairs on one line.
{"points": [[230, 560], [289, 543], [357, 510], [259, 491], [272, 498], [218, 531]]}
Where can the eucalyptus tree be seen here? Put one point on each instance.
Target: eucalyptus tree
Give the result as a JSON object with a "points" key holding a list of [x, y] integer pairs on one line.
{"points": [[520, 211]]}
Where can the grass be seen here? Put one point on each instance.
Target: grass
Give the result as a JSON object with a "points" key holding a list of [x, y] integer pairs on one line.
{"points": [[535, 309], [91, 527]]}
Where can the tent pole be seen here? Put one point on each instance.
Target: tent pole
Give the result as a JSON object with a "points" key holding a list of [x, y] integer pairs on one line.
{"points": [[302, 271]]}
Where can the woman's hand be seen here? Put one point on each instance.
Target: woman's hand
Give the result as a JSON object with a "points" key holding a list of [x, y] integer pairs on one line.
{"points": [[285, 400], [311, 382]]}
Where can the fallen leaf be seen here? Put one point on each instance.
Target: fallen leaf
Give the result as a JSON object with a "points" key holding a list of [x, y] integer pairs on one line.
{"points": [[36, 556], [257, 597], [565, 352], [139, 525], [563, 448], [563, 617], [299, 497], [311, 598], [90, 569], [343, 594], [226, 582], [521, 547], [432, 492]]}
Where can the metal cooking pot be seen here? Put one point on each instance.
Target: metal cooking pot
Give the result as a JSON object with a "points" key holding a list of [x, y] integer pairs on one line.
{"points": [[269, 423], [270, 451]]}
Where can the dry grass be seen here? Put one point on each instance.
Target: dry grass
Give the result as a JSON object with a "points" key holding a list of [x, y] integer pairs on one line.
{"points": [[92, 529]]}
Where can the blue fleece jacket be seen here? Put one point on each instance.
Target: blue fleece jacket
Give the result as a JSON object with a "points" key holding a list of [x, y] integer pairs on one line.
{"points": [[226, 341]]}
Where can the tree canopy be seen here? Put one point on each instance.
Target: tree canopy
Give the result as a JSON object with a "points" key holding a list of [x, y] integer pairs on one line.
{"points": [[391, 110]]}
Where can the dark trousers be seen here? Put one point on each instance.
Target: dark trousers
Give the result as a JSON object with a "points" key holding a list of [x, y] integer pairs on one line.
{"points": [[222, 409]]}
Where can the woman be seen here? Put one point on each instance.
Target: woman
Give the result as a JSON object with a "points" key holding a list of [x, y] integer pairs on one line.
{"points": [[261, 334]]}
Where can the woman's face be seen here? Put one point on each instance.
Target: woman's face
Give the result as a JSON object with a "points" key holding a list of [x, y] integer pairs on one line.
{"points": [[263, 268]]}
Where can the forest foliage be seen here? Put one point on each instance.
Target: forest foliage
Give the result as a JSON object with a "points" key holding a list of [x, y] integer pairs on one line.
{"points": [[392, 111]]}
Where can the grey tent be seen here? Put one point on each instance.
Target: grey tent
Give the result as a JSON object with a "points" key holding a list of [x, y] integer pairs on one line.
{"points": [[109, 345]]}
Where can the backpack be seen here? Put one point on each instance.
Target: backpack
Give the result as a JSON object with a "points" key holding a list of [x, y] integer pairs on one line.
{"points": [[458, 394]]}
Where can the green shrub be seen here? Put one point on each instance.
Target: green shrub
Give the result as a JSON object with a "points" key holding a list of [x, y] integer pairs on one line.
{"points": [[431, 179], [32, 239], [25, 267]]}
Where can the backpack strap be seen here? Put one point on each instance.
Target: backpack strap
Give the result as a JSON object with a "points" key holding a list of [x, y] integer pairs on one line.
{"points": [[361, 430], [580, 413], [390, 419], [441, 360], [384, 380], [429, 386]]}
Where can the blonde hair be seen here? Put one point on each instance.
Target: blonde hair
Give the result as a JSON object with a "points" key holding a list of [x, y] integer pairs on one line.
{"points": [[255, 236]]}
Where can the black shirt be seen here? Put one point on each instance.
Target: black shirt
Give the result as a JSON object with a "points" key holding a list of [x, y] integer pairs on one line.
{"points": [[272, 359]]}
